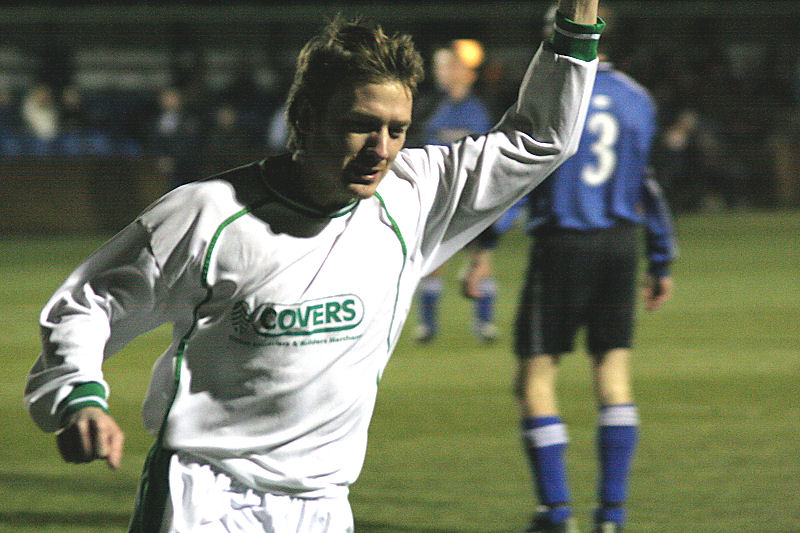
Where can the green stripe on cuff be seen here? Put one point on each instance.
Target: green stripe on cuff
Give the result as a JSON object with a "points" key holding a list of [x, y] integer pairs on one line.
{"points": [[576, 40], [90, 394]]}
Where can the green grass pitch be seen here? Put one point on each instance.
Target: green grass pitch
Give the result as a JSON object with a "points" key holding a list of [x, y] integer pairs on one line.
{"points": [[716, 374]]}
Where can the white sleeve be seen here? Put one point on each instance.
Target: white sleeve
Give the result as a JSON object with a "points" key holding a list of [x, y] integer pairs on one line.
{"points": [[146, 276], [465, 186], [114, 290]]}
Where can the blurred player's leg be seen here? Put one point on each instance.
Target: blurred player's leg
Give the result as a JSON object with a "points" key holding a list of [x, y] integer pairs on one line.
{"points": [[430, 294], [550, 309], [617, 435], [484, 327], [545, 439]]}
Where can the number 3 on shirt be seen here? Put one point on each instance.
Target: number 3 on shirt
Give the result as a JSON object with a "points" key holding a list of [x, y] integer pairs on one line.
{"points": [[605, 127]]}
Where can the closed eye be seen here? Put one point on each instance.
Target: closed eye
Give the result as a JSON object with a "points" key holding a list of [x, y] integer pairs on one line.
{"points": [[368, 124], [361, 126], [397, 132]]}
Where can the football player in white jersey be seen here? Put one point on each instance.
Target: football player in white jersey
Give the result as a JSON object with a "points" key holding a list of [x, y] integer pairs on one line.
{"points": [[288, 281]]}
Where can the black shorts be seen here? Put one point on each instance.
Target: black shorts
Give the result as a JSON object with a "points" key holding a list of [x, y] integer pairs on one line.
{"points": [[578, 278]]}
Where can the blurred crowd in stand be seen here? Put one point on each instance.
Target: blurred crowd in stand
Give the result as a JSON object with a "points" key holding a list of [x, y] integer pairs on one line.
{"points": [[729, 116]]}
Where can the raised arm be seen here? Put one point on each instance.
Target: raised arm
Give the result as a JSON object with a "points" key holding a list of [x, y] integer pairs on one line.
{"points": [[580, 11], [480, 177]]}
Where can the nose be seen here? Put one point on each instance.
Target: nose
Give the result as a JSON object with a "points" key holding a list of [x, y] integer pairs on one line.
{"points": [[380, 142]]}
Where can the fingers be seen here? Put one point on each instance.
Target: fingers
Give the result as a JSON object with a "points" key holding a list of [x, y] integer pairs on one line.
{"points": [[91, 434], [114, 444], [653, 301], [652, 298], [656, 292], [70, 445], [470, 288], [471, 283]]}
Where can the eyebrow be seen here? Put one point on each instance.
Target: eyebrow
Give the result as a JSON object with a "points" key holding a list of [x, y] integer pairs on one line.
{"points": [[372, 119]]}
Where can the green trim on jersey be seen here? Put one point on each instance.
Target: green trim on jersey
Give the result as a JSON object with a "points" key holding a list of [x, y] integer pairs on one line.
{"points": [[151, 500], [399, 235], [576, 40], [90, 394], [153, 492]]}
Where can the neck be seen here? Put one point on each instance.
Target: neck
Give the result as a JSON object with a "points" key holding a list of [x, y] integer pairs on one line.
{"points": [[458, 94], [294, 184]]}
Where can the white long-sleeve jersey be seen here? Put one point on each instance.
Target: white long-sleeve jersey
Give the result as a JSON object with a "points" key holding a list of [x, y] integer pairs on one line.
{"points": [[284, 321]]}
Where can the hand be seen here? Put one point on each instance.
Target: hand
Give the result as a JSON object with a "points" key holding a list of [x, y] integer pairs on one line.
{"points": [[91, 434], [656, 291], [479, 269]]}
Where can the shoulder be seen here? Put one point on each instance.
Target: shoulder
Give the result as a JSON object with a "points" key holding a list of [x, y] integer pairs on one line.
{"points": [[629, 100], [414, 164], [182, 223], [414, 178], [627, 85], [217, 195], [187, 202], [408, 172]]}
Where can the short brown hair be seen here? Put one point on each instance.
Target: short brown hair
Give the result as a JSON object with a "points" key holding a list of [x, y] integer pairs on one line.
{"points": [[352, 53]]}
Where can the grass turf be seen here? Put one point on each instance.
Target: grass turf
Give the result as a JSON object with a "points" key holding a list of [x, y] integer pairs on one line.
{"points": [[715, 372]]}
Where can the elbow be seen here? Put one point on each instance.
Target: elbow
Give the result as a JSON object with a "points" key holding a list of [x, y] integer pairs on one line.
{"points": [[570, 142], [42, 414]]}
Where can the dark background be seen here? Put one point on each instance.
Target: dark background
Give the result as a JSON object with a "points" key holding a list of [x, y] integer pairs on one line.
{"points": [[732, 67]]}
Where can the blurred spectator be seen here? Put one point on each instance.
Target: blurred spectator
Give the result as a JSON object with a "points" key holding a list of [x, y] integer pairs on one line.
{"points": [[254, 103], [10, 123], [79, 136], [784, 147], [9, 112], [73, 115], [277, 128], [695, 165], [226, 145], [188, 69], [783, 144], [40, 116], [175, 139], [277, 131], [187, 58]]}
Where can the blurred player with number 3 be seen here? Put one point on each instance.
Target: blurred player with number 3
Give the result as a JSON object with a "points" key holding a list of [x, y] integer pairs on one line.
{"points": [[582, 272]]}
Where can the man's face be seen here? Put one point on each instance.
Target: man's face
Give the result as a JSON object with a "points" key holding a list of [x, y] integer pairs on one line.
{"points": [[350, 148], [452, 75]]}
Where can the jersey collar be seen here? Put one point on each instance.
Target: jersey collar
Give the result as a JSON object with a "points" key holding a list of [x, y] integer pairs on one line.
{"points": [[283, 164]]}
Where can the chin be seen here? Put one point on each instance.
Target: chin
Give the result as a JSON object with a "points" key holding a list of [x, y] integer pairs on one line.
{"points": [[363, 191]]}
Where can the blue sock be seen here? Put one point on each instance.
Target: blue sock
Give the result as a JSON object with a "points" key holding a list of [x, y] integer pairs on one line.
{"points": [[484, 304], [430, 292], [546, 443], [617, 434]]}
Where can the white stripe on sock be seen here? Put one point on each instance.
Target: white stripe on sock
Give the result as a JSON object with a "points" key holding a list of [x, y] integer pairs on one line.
{"points": [[548, 435], [619, 415]]}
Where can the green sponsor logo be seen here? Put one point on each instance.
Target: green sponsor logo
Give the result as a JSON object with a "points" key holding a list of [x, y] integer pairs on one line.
{"points": [[335, 313]]}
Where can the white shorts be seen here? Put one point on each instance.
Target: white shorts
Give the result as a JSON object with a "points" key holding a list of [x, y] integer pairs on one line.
{"points": [[203, 500]]}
